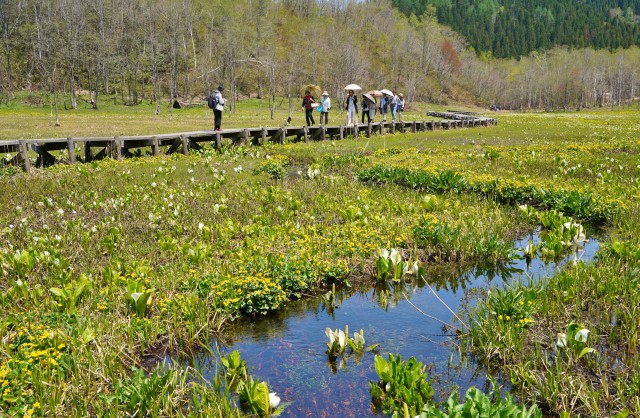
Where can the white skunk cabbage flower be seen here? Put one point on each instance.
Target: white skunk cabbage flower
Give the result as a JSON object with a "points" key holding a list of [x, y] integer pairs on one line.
{"points": [[582, 335], [395, 256], [383, 253], [562, 340], [274, 400]]}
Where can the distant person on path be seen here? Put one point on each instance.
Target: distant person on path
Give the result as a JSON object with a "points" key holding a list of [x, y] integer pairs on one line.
{"points": [[216, 102], [393, 103], [365, 108], [352, 108], [307, 103], [325, 102], [384, 106], [400, 107]]}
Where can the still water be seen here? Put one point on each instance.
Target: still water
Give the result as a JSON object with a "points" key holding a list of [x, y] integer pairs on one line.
{"points": [[287, 348]]}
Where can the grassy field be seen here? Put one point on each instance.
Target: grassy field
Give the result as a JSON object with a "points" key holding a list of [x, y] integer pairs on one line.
{"points": [[107, 266], [23, 121]]}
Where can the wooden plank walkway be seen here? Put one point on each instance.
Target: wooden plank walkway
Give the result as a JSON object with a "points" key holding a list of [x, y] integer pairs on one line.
{"points": [[118, 147]]}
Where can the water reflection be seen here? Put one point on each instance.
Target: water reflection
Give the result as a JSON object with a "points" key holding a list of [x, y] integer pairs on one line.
{"points": [[287, 348]]}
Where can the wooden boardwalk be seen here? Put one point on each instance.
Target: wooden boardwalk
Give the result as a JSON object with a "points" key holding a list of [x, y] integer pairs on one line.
{"points": [[119, 147]]}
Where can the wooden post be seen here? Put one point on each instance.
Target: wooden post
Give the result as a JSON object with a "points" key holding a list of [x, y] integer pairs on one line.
{"points": [[218, 141], [116, 140], [369, 130], [263, 135], [323, 133], [24, 155], [341, 131], [283, 135], [382, 127], [245, 136], [155, 147], [305, 131], [71, 147], [393, 128], [413, 127], [87, 152], [185, 144]]}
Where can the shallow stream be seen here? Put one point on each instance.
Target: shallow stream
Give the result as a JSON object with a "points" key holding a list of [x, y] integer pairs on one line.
{"points": [[287, 348]]}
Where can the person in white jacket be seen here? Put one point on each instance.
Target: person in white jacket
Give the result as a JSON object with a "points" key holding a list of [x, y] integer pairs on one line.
{"points": [[325, 102]]}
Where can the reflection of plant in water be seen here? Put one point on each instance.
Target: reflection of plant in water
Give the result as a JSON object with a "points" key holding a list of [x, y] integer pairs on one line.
{"points": [[403, 388], [329, 299]]}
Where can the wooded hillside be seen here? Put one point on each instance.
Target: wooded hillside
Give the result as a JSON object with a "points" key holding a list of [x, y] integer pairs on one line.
{"points": [[512, 28], [159, 50]]}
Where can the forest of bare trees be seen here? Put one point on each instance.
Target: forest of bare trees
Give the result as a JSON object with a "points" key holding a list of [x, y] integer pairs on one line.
{"points": [[128, 51]]}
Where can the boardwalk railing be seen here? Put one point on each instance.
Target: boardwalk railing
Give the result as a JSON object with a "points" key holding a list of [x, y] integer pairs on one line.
{"points": [[96, 148]]}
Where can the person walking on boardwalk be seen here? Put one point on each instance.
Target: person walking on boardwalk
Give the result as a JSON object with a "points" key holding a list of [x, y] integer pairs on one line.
{"points": [[365, 108], [393, 107], [325, 102], [384, 106], [400, 107], [216, 102], [307, 103], [352, 108]]}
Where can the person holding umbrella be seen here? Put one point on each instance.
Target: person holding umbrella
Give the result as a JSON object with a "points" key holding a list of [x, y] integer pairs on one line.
{"points": [[307, 103], [384, 103], [368, 104], [352, 108], [384, 107]]}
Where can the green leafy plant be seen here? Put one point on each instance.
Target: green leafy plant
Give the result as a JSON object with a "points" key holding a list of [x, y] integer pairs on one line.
{"points": [[70, 295], [403, 387], [255, 398], [236, 369], [138, 394], [478, 404], [138, 296], [574, 343]]}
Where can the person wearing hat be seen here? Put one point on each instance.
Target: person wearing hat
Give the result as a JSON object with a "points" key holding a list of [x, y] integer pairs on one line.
{"points": [[325, 102], [218, 107]]}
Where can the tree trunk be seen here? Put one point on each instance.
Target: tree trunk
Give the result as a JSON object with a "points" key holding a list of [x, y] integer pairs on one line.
{"points": [[7, 47]]}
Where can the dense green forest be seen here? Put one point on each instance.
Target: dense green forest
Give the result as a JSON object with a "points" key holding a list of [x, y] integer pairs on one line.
{"points": [[512, 28]]}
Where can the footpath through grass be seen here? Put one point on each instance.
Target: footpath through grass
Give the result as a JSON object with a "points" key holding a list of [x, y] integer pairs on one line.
{"points": [[107, 266]]}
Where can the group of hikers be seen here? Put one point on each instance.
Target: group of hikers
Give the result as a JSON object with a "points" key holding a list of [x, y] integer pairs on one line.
{"points": [[389, 103]]}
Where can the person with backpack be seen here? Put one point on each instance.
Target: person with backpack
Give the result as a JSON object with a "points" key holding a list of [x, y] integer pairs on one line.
{"points": [[216, 103], [393, 103], [307, 103], [365, 108], [384, 106]]}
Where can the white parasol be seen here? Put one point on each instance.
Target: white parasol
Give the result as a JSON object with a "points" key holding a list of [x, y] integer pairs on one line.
{"points": [[356, 88]]}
